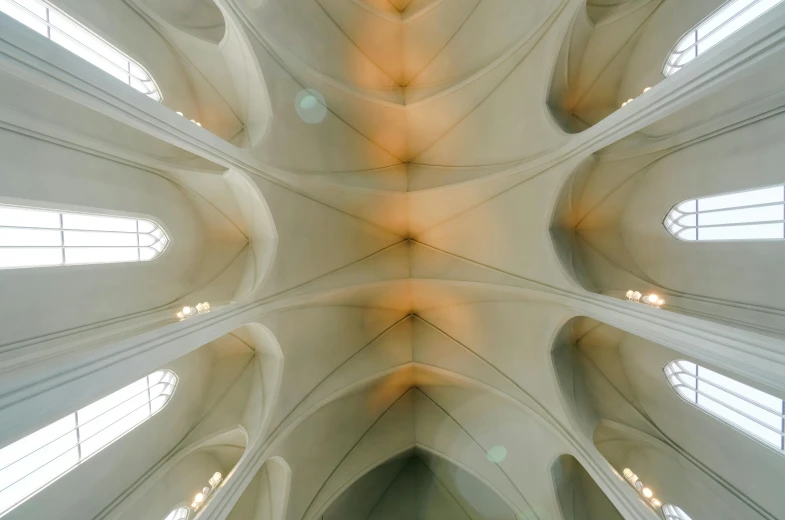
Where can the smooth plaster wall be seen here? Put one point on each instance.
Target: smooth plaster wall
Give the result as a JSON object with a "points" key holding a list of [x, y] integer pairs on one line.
{"points": [[51, 299], [579, 496], [472, 368], [203, 376], [623, 245], [182, 482], [418, 486], [185, 88], [625, 384]]}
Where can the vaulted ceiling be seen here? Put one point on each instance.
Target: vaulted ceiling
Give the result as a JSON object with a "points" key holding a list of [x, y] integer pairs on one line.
{"points": [[421, 216]]}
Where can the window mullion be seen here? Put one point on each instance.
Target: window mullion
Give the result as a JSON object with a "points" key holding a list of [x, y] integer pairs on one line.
{"points": [[66, 33], [92, 238], [782, 427], [750, 420], [33, 463], [78, 436], [149, 398], [62, 232]]}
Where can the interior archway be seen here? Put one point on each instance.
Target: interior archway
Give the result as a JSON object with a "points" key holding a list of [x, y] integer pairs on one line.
{"points": [[418, 484], [619, 397]]}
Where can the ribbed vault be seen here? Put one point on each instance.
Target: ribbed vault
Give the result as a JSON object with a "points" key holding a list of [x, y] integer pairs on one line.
{"points": [[415, 219]]}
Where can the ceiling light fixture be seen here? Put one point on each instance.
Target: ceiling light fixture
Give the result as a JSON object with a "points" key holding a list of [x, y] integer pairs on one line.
{"points": [[189, 311], [197, 123], [632, 99], [652, 299], [642, 490], [201, 498]]}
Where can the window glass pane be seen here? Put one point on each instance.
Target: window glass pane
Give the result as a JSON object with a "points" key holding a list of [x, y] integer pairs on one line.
{"points": [[100, 255], [735, 216], [688, 234], [120, 423], [24, 217], [731, 17], [98, 222], [740, 388], [30, 257], [146, 240], [36, 460], [686, 58], [742, 198], [29, 237], [87, 39], [688, 41], [749, 426], [710, 395], [147, 253], [92, 411], [751, 232], [690, 206], [31, 463], [753, 411], [690, 220], [145, 226], [724, 15], [98, 238]]}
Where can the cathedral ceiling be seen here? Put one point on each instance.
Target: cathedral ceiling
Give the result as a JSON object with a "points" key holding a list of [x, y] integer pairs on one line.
{"points": [[387, 181]]}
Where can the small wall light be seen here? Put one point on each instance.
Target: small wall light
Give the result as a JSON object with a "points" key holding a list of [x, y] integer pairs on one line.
{"points": [[652, 299], [189, 311], [646, 492], [201, 498], [632, 99], [216, 479], [197, 123]]}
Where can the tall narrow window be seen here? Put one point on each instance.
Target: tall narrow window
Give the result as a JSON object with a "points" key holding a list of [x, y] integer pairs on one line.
{"points": [[32, 463], [37, 237], [745, 215], [64, 30], [181, 513], [756, 413], [671, 512], [729, 18]]}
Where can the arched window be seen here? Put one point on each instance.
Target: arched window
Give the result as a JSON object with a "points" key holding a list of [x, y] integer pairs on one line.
{"points": [[671, 512], [32, 463], [32, 237], [181, 513], [744, 215], [67, 32], [756, 413], [729, 18]]}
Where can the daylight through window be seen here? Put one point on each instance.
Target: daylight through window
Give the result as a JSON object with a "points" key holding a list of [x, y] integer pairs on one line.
{"points": [[671, 512], [32, 463], [757, 413], [37, 237], [64, 30], [744, 215], [181, 513], [729, 18]]}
